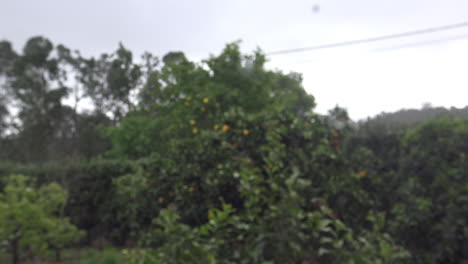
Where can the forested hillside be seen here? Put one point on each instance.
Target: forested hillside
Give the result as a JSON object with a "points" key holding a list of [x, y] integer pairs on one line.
{"points": [[219, 161], [412, 117]]}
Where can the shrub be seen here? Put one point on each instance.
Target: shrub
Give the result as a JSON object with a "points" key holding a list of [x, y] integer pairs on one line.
{"points": [[107, 256], [29, 217]]}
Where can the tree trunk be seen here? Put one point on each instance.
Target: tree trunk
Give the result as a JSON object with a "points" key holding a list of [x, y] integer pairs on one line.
{"points": [[14, 252], [58, 255]]}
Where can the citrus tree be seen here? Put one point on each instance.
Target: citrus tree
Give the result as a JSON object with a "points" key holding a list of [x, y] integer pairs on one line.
{"points": [[281, 215], [239, 168], [201, 117]]}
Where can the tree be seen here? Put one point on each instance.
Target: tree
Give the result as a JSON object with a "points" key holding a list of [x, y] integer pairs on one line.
{"points": [[36, 83], [265, 191], [60, 233], [433, 214], [192, 108], [414, 171], [28, 218], [7, 57], [3, 115], [182, 91], [109, 80], [231, 134]]}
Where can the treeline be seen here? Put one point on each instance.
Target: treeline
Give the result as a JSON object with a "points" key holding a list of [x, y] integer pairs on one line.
{"points": [[224, 161], [409, 118], [37, 125]]}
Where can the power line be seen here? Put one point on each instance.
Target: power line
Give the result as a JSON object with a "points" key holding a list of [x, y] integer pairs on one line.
{"points": [[406, 46], [424, 43], [374, 39]]}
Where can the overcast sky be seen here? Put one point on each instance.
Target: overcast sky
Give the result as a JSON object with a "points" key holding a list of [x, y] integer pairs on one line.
{"points": [[366, 79]]}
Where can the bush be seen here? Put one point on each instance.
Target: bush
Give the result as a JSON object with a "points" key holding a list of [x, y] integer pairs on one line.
{"points": [[29, 218], [90, 189], [107, 256]]}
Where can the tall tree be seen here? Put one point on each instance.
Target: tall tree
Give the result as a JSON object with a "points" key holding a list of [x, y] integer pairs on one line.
{"points": [[7, 57], [37, 86], [3, 114], [109, 81]]}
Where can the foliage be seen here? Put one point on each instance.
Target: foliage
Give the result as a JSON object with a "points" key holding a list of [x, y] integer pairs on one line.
{"points": [[108, 256], [433, 217], [207, 125], [271, 186], [417, 177], [222, 161], [281, 232], [90, 204], [27, 217]]}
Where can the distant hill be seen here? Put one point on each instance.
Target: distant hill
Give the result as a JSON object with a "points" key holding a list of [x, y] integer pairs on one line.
{"points": [[410, 117]]}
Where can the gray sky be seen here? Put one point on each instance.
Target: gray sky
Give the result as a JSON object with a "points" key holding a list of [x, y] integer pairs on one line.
{"points": [[366, 79]]}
